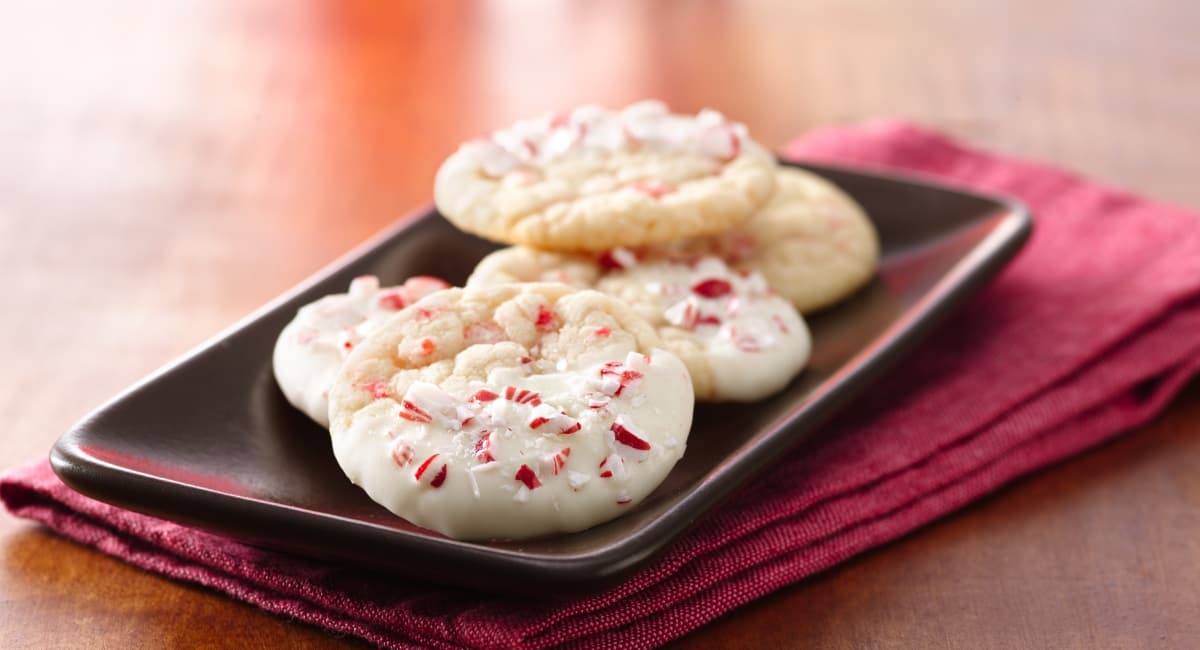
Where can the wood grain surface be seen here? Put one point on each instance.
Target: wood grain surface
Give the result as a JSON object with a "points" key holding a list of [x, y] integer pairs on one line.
{"points": [[168, 166]]}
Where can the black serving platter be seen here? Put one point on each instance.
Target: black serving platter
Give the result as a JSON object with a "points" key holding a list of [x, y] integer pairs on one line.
{"points": [[210, 442]]}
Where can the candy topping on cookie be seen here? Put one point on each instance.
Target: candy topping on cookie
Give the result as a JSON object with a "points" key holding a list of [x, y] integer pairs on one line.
{"points": [[554, 136], [311, 349], [752, 340], [512, 434], [654, 175]]}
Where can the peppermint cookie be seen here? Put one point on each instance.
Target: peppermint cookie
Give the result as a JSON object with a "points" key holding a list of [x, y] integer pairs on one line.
{"points": [[812, 242], [310, 350], [596, 179], [511, 411], [739, 340]]}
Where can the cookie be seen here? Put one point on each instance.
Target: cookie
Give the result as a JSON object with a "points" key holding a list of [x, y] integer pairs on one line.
{"points": [[739, 340], [511, 411], [812, 242], [597, 179], [310, 349]]}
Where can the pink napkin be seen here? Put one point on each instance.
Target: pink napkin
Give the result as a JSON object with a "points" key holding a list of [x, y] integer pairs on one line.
{"points": [[1089, 333]]}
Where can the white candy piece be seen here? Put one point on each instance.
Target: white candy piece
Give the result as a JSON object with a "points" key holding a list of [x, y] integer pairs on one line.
{"points": [[311, 348]]}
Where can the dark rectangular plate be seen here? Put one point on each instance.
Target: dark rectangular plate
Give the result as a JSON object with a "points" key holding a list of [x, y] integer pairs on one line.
{"points": [[209, 441]]}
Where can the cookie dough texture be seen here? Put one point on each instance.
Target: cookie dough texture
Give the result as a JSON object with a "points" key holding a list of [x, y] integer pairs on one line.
{"points": [[597, 179], [812, 243], [511, 411]]}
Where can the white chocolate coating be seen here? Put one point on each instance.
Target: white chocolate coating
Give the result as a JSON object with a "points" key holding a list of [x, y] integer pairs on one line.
{"points": [[741, 341], [563, 417], [311, 348]]}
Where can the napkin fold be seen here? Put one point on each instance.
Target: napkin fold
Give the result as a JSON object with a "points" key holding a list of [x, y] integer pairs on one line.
{"points": [[1090, 332]]}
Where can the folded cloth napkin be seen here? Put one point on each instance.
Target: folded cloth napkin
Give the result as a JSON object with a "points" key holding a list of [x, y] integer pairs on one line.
{"points": [[1088, 333]]}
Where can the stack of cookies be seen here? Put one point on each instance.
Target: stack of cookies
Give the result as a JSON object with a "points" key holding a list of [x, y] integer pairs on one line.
{"points": [[656, 259]]}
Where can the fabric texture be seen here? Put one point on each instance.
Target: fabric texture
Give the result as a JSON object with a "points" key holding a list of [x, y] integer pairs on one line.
{"points": [[1088, 333]]}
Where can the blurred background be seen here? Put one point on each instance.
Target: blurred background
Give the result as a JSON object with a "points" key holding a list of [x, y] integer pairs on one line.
{"points": [[167, 166]]}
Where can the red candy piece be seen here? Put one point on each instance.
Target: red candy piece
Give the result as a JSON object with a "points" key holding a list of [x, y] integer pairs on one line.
{"points": [[607, 473], [424, 466], [528, 477], [712, 288], [439, 478], [625, 376], [484, 395], [559, 460], [626, 437], [571, 429], [414, 413], [524, 396], [609, 262], [402, 453], [483, 448], [393, 299], [545, 319], [377, 389]]}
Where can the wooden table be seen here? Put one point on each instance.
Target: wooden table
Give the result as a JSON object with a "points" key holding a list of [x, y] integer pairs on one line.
{"points": [[168, 166]]}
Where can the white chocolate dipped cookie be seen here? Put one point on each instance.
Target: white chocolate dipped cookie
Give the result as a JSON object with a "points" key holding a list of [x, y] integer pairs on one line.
{"points": [[812, 242], [511, 411], [596, 179], [739, 340], [311, 348]]}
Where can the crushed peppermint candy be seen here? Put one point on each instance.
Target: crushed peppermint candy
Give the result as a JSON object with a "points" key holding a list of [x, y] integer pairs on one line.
{"points": [[618, 259], [712, 288], [414, 413], [528, 477], [647, 124], [613, 466], [421, 471], [546, 321], [377, 389], [528, 437], [402, 453], [623, 436], [483, 448], [557, 461]]}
